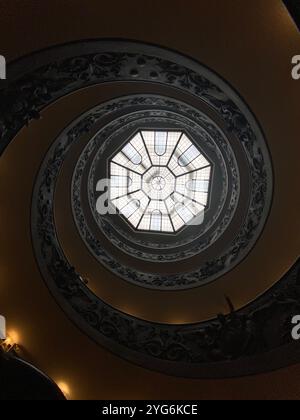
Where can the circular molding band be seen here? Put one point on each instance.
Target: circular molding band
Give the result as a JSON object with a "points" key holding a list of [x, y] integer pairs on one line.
{"points": [[115, 65]]}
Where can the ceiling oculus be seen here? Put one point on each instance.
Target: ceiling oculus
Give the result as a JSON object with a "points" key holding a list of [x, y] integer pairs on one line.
{"points": [[159, 181]]}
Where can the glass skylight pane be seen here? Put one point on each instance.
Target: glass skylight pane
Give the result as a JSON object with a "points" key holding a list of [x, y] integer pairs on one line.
{"points": [[194, 207], [184, 213], [177, 221], [121, 202], [130, 208], [172, 140], [188, 156], [160, 142], [145, 222], [161, 154], [142, 198], [139, 145], [166, 224], [181, 147], [135, 182], [132, 154], [199, 185], [120, 181], [156, 217], [195, 185], [116, 170], [135, 218], [150, 141]]}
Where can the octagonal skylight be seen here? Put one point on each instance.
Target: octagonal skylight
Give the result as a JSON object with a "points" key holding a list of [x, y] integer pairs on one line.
{"points": [[160, 181]]}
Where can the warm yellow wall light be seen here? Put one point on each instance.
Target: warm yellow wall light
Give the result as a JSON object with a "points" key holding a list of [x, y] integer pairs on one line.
{"points": [[65, 389], [13, 336]]}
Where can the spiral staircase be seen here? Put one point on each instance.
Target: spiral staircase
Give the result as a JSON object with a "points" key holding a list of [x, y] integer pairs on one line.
{"points": [[98, 304]]}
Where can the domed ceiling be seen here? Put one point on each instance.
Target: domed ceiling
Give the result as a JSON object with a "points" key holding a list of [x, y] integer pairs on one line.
{"points": [[154, 185]]}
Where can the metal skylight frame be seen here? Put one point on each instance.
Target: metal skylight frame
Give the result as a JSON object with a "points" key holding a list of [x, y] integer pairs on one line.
{"points": [[160, 181]]}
